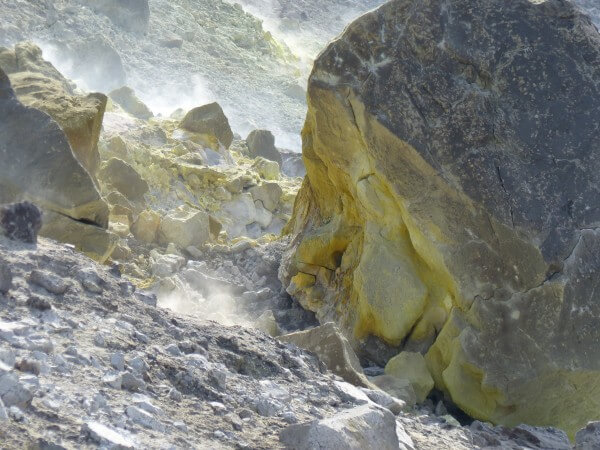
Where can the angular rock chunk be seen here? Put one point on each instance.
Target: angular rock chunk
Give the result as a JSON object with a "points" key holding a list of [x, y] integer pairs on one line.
{"points": [[413, 368], [127, 99], [453, 165], [146, 226], [210, 120], [588, 438], [365, 426], [124, 178], [333, 349], [184, 227], [6, 278], [39, 85], [262, 143]]}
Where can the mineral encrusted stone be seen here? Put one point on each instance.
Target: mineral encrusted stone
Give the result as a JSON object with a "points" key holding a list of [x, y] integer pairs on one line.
{"points": [[451, 201]]}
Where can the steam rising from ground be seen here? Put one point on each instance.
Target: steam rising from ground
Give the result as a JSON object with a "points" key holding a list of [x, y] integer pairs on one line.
{"points": [[192, 291], [218, 305]]}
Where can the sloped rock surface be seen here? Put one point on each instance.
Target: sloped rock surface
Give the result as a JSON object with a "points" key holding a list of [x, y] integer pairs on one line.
{"points": [[451, 199], [37, 162], [39, 85]]}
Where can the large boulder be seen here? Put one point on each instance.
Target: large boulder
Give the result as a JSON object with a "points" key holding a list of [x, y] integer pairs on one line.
{"points": [[209, 120], [131, 15], [39, 85], [451, 200], [38, 165], [262, 143]]}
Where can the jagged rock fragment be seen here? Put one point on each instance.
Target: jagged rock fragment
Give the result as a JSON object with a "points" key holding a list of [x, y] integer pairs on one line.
{"points": [[126, 98], [209, 120], [333, 349], [124, 178]]}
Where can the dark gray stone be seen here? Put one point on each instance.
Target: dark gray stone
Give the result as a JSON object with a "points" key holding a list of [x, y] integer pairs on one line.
{"points": [[21, 222], [209, 119], [262, 143]]}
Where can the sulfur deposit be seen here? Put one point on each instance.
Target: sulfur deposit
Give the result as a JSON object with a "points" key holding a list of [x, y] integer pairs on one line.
{"points": [[451, 200]]}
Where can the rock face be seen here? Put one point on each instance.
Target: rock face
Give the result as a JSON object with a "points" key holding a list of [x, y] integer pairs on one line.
{"points": [[450, 204], [39, 85], [209, 120]]}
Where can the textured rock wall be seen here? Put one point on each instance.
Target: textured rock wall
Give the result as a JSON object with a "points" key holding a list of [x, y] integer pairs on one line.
{"points": [[451, 201]]}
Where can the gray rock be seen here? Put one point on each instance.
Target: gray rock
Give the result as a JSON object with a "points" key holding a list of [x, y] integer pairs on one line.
{"points": [[106, 436], [117, 361], [362, 427], [262, 143], [144, 419], [21, 222], [124, 178], [130, 382], [333, 349], [5, 278], [522, 436], [49, 281], [209, 119], [588, 438], [12, 390], [127, 99]]}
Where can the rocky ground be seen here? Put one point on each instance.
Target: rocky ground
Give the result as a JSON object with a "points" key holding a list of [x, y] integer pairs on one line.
{"points": [[88, 361], [183, 336]]}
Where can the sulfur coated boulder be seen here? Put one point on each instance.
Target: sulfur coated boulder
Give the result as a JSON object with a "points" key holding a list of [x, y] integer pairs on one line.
{"points": [[37, 164], [451, 201], [39, 85], [412, 367], [209, 120]]}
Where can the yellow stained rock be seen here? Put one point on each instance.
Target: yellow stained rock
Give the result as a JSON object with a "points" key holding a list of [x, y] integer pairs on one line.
{"points": [[146, 226], [412, 367]]}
